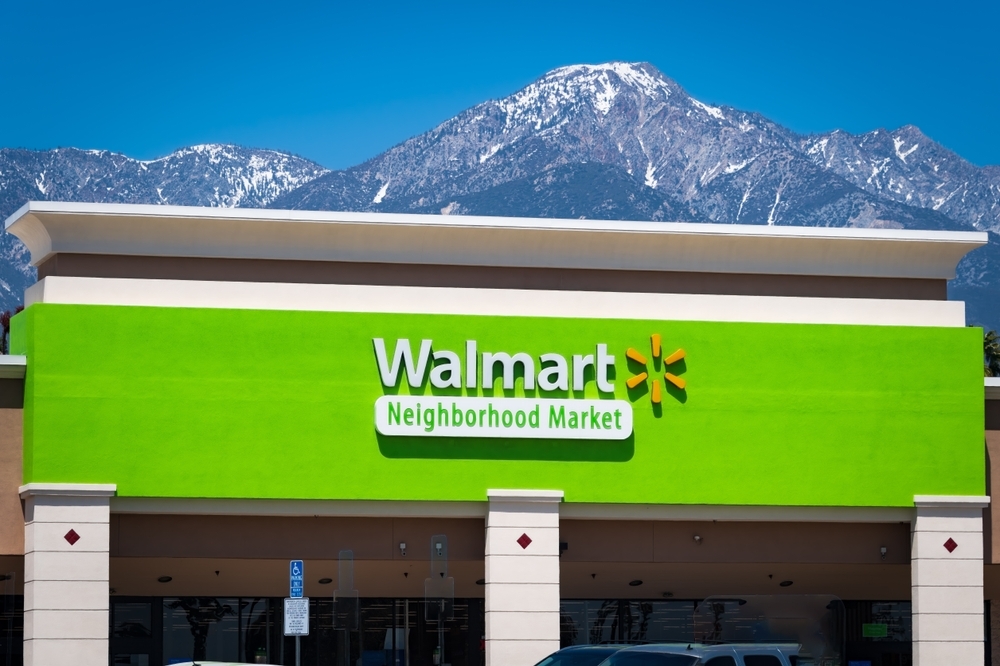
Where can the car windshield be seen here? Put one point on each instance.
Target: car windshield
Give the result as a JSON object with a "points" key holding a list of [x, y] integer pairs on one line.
{"points": [[587, 657], [650, 658]]}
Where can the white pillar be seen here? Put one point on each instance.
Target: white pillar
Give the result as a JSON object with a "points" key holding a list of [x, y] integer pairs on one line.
{"points": [[946, 569], [522, 576], [66, 567]]}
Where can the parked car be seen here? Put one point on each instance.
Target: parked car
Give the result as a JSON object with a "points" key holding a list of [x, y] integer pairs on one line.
{"points": [[580, 655], [210, 663], [737, 654]]}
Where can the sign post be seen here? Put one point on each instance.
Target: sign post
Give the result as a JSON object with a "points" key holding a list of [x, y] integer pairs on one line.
{"points": [[296, 607]]}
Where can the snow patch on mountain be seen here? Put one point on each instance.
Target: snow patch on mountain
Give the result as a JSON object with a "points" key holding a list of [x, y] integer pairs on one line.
{"points": [[713, 111], [650, 176], [898, 143]]}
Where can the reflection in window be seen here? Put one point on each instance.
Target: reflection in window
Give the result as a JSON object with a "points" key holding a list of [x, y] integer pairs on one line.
{"points": [[196, 628], [132, 620], [593, 622], [657, 621], [255, 630]]}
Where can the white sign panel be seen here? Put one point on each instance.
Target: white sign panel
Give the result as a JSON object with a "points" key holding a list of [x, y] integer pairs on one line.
{"points": [[516, 418], [297, 617]]}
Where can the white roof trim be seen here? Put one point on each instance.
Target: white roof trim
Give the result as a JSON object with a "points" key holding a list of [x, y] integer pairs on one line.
{"points": [[13, 366], [951, 501], [67, 490], [189, 231], [501, 495]]}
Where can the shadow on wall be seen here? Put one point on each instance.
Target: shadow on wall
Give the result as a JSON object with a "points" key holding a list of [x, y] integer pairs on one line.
{"points": [[458, 448]]}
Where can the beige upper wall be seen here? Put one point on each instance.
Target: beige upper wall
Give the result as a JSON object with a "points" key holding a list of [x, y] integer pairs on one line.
{"points": [[494, 302]]}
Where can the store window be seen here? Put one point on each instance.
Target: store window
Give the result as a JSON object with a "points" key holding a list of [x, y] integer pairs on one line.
{"points": [[879, 633], [132, 633], [200, 628], [11, 623], [594, 622], [152, 631]]}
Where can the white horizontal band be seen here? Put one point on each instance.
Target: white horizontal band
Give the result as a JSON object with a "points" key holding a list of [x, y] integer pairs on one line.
{"points": [[567, 510], [951, 501], [500, 495], [13, 366], [493, 302], [67, 490]]}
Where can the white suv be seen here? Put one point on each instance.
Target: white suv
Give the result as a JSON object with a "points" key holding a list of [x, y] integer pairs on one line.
{"points": [[734, 654]]}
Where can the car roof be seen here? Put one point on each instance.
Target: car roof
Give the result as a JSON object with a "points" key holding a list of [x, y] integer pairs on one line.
{"points": [[597, 646], [699, 649], [670, 648]]}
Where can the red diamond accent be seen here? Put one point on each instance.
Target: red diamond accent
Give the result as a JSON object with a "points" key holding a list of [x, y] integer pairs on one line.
{"points": [[72, 537], [524, 541], [950, 545]]}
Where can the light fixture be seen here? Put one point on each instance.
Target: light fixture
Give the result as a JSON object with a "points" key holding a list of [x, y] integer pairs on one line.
{"points": [[325, 581], [402, 548], [164, 579], [697, 539], [883, 550], [785, 583], [439, 547], [635, 583], [668, 595]]}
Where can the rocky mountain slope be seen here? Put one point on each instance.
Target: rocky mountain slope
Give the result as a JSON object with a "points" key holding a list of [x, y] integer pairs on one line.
{"points": [[207, 175], [549, 148], [727, 165], [906, 166], [617, 141]]}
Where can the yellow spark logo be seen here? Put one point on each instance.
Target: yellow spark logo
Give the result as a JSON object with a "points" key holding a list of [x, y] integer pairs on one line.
{"points": [[639, 378]]}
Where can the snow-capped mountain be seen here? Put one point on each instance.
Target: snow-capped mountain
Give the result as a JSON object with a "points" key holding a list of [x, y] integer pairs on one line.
{"points": [[206, 175], [727, 165], [906, 166], [622, 140], [615, 141]]}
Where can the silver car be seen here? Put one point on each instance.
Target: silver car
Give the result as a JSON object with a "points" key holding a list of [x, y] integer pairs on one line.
{"points": [[734, 654]]}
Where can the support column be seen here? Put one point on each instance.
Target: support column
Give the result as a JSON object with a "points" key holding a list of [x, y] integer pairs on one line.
{"points": [[522, 576], [946, 569], [66, 569]]}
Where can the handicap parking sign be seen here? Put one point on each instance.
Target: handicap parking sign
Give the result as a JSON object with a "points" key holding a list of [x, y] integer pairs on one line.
{"points": [[296, 576]]}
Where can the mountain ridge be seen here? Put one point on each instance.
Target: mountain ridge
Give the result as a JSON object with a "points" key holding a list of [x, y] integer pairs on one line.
{"points": [[614, 140]]}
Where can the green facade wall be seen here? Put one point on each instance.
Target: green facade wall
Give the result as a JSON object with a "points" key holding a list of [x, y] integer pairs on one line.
{"points": [[173, 402]]}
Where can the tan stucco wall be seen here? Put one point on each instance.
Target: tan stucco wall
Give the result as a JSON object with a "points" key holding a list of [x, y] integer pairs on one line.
{"points": [[11, 451]]}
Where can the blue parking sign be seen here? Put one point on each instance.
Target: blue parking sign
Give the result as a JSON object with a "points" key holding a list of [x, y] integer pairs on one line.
{"points": [[296, 576]]}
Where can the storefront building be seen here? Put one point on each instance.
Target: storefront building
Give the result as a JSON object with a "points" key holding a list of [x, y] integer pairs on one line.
{"points": [[487, 438]]}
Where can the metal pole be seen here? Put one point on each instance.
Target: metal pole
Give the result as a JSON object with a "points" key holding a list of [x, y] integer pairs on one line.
{"points": [[406, 632], [298, 654], [441, 635]]}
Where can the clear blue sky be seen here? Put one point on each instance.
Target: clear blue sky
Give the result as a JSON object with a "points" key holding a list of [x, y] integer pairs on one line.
{"points": [[340, 82]]}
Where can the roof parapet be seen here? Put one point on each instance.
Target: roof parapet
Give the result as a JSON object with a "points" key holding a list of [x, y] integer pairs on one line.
{"points": [[49, 228]]}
